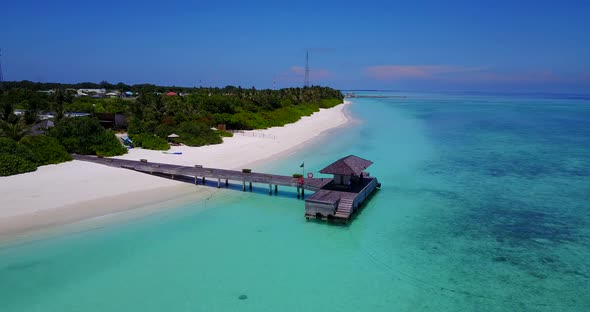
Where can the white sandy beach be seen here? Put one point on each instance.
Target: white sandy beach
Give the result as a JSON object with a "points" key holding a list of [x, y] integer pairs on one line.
{"points": [[74, 191]]}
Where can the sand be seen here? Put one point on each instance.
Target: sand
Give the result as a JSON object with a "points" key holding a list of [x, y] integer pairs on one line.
{"points": [[248, 148], [55, 195]]}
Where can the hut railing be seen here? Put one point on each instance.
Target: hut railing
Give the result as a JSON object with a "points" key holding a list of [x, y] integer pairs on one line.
{"points": [[365, 192]]}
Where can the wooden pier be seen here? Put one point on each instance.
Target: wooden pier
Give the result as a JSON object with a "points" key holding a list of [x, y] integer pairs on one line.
{"points": [[341, 198], [329, 193]]}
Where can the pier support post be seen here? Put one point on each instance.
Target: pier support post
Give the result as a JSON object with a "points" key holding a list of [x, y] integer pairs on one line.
{"points": [[218, 183], [270, 189], [203, 180], [276, 189], [297, 191], [250, 186], [226, 183], [302, 192], [244, 183], [196, 178]]}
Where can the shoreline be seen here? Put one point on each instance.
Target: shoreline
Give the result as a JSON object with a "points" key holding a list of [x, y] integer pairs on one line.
{"points": [[55, 197], [345, 113], [254, 146], [96, 213]]}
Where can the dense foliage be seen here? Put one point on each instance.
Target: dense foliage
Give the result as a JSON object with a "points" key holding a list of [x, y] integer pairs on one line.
{"points": [[224, 134], [197, 134], [15, 128], [45, 150], [191, 115], [150, 141], [12, 164], [11, 147], [152, 117], [30, 152], [42, 86], [85, 135], [60, 102]]}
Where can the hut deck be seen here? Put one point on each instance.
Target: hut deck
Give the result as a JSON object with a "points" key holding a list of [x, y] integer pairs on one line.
{"points": [[337, 202]]}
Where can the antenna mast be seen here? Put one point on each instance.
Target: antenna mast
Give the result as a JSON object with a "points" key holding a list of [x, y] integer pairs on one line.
{"points": [[306, 82], [1, 76]]}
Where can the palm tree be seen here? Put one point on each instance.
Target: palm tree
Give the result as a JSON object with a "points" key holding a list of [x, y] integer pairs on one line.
{"points": [[60, 98], [15, 129], [6, 109]]}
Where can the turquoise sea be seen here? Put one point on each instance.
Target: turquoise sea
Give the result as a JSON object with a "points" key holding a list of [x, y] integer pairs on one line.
{"points": [[485, 206]]}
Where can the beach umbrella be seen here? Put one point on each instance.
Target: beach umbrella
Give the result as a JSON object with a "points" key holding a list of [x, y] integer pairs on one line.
{"points": [[174, 135]]}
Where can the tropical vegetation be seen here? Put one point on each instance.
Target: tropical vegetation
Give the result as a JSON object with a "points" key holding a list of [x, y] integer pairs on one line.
{"points": [[29, 153], [152, 113], [86, 136]]}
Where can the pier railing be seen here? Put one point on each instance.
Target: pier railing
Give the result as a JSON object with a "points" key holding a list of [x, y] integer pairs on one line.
{"points": [[200, 172], [254, 134]]}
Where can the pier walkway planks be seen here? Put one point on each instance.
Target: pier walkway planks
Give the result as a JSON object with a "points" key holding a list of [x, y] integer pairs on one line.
{"points": [[312, 184]]}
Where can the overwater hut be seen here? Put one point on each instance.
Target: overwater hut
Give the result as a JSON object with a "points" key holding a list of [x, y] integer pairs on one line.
{"points": [[347, 169], [350, 187]]}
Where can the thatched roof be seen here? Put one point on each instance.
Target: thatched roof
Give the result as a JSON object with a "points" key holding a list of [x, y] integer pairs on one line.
{"points": [[347, 165]]}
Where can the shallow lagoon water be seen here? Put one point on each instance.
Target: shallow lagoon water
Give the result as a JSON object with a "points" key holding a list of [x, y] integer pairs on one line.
{"points": [[484, 206]]}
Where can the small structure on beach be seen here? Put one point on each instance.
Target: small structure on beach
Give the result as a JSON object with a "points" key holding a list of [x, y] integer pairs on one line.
{"points": [[340, 198], [172, 137]]}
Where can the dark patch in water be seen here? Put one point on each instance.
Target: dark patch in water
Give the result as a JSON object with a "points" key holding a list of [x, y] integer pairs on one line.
{"points": [[538, 275], [518, 223], [500, 259], [22, 266], [546, 260], [243, 297], [439, 193], [577, 273]]}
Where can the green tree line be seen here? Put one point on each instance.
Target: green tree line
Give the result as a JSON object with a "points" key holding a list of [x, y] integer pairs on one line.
{"points": [[153, 115]]}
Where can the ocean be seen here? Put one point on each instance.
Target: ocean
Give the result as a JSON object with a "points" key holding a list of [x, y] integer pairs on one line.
{"points": [[485, 206]]}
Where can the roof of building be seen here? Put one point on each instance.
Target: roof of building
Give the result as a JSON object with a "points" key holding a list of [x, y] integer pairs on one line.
{"points": [[348, 165], [40, 127], [171, 93]]}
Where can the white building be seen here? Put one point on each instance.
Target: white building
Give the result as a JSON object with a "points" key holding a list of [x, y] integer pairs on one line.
{"points": [[86, 92]]}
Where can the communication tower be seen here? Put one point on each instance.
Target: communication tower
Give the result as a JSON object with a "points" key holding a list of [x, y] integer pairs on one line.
{"points": [[306, 82], [1, 77]]}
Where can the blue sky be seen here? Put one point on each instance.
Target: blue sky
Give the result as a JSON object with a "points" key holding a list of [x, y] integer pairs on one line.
{"points": [[505, 46]]}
